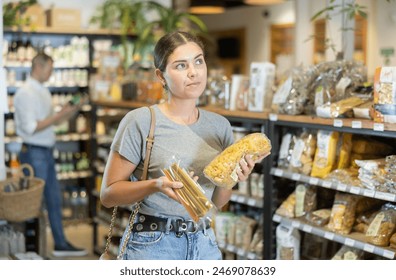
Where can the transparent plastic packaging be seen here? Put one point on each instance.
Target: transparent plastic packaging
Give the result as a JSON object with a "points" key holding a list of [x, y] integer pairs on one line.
{"points": [[348, 253], [192, 196], [222, 169], [343, 213], [382, 226]]}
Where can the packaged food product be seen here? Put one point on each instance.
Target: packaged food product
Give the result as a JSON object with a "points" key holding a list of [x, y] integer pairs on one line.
{"points": [[336, 109], [326, 152], [344, 154], [393, 241], [370, 147], [363, 111], [244, 231], [348, 253], [385, 94], [222, 169], [287, 243], [382, 226], [343, 211], [305, 199], [301, 158], [192, 196], [287, 207], [319, 217], [286, 149]]}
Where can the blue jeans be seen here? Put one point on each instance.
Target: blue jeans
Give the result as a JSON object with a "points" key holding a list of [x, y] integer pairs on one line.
{"points": [[43, 163], [157, 245]]}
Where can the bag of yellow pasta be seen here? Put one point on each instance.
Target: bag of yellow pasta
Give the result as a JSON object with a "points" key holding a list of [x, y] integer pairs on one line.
{"points": [[326, 152], [222, 169], [382, 226], [343, 213]]}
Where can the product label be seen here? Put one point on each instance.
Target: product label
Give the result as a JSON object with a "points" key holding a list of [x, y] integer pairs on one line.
{"points": [[281, 95], [375, 225], [295, 160], [300, 197], [284, 149]]}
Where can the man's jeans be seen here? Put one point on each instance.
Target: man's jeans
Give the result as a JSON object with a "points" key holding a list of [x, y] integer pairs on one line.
{"points": [[43, 163]]}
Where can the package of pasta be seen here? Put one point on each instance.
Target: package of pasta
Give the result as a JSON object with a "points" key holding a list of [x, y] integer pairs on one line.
{"points": [[286, 209], [348, 253], [344, 154], [222, 170], [302, 156], [191, 196], [305, 199], [326, 152], [393, 241], [382, 226], [343, 213], [319, 217]]}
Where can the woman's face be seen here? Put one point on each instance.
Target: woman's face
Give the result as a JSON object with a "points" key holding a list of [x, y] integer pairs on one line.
{"points": [[186, 73]]}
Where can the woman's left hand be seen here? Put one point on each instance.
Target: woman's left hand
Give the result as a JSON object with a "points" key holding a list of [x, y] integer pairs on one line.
{"points": [[246, 166]]}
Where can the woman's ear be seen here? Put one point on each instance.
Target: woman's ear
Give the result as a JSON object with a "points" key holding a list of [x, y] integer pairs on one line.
{"points": [[160, 76]]}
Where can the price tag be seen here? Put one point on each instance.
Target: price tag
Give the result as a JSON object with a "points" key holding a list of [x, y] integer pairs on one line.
{"points": [[369, 193], [349, 242], [295, 224], [341, 187], [251, 202], [329, 235], [378, 127], [241, 252], [240, 199], [313, 181], [327, 184], [356, 124], [385, 196], [296, 176], [307, 228], [273, 117], [278, 172], [368, 248], [230, 248], [338, 123], [277, 218], [388, 254], [251, 256], [355, 190], [233, 197]]}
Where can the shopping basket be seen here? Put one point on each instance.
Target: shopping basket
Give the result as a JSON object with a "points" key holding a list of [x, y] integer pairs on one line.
{"points": [[20, 205]]}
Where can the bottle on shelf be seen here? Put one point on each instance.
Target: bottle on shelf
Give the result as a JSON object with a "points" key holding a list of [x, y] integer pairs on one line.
{"points": [[14, 165]]}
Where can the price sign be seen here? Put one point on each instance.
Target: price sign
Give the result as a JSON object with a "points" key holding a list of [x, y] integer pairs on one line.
{"points": [[356, 124], [314, 181], [273, 117], [329, 235], [338, 123], [378, 127]]}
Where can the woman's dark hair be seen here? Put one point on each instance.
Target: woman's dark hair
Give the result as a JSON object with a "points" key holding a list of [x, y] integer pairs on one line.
{"points": [[168, 43]]}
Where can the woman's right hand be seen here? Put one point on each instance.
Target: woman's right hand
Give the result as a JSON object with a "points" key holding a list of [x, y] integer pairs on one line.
{"points": [[168, 187]]}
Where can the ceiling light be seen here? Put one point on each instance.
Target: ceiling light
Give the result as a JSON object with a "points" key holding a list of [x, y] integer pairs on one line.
{"points": [[262, 2], [206, 7]]}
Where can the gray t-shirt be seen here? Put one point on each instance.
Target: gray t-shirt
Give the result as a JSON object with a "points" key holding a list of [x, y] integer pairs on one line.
{"points": [[193, 146]]}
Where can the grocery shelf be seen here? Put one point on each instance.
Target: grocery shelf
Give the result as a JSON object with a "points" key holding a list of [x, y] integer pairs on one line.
{"points": [[355, 240], [331, 184]]}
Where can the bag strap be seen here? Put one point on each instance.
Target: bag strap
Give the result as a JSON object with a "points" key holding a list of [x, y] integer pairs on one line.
{"points": [[149, 146]]}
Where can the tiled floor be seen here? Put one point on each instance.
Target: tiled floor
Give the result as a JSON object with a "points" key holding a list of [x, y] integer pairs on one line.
{"points": [[80, 235]]}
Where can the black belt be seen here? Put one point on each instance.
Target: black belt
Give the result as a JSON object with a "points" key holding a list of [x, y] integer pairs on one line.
{"points": [[179, 226], [26, 145]]}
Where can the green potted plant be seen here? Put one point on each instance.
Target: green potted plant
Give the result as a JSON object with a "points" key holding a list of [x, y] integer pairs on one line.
{"points": [[131, 18], [13, 13]]}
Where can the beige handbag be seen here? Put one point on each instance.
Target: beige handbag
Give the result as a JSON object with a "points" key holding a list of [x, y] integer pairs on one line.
{"points": [[149, 144]]}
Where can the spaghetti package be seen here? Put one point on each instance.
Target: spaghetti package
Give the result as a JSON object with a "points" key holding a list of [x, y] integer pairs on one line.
{"points": [[222, 170], [192, 196]]}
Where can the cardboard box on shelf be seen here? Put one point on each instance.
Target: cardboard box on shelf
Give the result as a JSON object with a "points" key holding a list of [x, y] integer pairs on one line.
{"points": [[36, 16], [63, 18]]}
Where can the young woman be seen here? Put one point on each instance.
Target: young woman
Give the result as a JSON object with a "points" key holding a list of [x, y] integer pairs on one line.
{"points": [[192, 135]]}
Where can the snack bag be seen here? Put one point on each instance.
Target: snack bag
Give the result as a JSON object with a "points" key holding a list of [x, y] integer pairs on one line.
{"points": [[222, 169]]}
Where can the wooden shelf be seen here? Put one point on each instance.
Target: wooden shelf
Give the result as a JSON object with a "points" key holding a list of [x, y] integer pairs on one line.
{"points": [[64, 31]]}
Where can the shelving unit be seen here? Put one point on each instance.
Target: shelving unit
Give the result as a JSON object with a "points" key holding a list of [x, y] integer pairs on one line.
{"points": [[73, 141], [354, 126]]}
